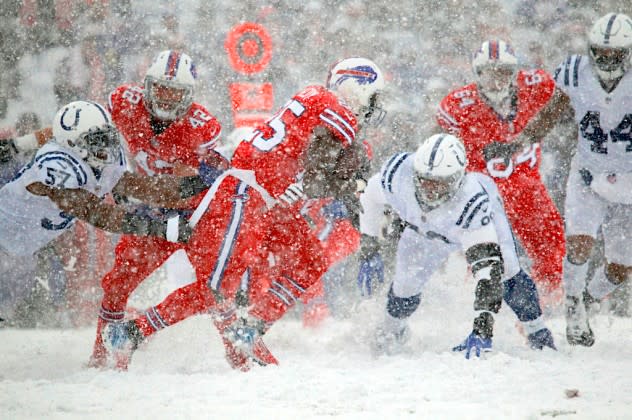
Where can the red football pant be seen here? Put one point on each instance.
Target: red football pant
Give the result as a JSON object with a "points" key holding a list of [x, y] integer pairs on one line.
{"points": [[538, 225], [230, 251], [136, 259]]}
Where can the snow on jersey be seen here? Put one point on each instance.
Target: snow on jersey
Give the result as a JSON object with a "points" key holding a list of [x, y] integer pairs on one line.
{"points": [[466, 219], [29, 222], [464, 114], [184, 140], [276, 151], [605, 119]]}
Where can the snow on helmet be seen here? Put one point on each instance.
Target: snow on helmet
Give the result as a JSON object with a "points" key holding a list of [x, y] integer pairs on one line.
{"points": [[495, 66], [609, 45], [169, 85], [87, 129], [359, 81], [439, 165]]}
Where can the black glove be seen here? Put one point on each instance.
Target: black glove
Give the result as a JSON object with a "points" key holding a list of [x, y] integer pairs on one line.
{"points": [[502, 150], [7, 150]]}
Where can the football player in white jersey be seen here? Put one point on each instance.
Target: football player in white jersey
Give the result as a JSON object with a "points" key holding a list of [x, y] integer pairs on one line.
{"points": [[85, 154], [598, 190], [444, 209]]}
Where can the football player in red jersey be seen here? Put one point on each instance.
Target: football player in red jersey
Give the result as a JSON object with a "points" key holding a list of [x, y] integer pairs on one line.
{"points": [[501, 117], [239, 224], [166, 132]]}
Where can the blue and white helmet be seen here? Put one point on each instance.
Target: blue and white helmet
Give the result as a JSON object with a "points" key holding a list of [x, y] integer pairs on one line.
{"points": [[169, 85], [610, 46], [359, 81], [439, 164], [87, 129]]}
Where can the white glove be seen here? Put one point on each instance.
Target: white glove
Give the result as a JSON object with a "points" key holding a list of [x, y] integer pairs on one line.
{"points": [[292, 194]]}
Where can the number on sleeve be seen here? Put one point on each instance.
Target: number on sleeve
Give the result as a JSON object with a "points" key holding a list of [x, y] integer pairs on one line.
{"points": [[199, 118], [532, 77], [133, 95]]}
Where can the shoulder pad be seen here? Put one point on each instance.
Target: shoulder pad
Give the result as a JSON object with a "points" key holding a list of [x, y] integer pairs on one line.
{"points": [[390, 168], [567, 73]]}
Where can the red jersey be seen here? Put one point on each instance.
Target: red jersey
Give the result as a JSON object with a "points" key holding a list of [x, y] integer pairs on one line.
{"points": [[277, 149], [184, 141], [464, 114]]}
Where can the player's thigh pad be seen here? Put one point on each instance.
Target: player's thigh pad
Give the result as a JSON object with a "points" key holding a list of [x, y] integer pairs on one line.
{"points": [[417, 259], [617, 231], [584, 210]]}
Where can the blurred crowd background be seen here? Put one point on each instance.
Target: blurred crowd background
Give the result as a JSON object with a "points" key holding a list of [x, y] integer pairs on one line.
{"points": [[57, 51]]}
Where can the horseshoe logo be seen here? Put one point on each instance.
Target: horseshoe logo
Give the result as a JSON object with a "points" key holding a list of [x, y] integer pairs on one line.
{"points": [[74, 124]]}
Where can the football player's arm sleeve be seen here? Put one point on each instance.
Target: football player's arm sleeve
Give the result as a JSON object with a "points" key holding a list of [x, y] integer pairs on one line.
{"points": [[90, 208], [445, 120], [161, 190], [555, 110], [486, 263]]}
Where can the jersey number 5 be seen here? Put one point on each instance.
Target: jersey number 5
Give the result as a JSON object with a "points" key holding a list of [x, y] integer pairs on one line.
{"points": [[277, 124]]}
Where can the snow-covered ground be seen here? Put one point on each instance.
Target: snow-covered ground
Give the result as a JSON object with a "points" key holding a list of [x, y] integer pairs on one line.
{"points": [[328, 371]]}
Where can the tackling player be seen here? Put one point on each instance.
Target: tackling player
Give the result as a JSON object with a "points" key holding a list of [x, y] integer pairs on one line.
{"points": [[84, 158], [500, 118], [445, 209]]}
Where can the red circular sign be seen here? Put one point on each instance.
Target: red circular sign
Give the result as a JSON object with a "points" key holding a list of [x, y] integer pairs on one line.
{"points": [[249, 48]]}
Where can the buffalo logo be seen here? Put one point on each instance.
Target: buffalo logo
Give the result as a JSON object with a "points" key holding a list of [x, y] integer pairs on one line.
{"points": [[364, 75]]}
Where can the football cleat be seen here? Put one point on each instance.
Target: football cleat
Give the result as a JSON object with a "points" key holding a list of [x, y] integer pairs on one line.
{"points": [[244, 341], [541, 339], [121, 339], [578, 331], [389, 343]]}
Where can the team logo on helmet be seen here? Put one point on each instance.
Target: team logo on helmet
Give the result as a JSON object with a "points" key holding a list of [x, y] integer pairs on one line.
{"points": [[364, 75], [74, 124]]}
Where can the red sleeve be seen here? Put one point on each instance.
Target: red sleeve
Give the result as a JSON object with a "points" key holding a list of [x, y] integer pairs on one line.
{"points": [[447, 115], [536, 87], [205, 129]]}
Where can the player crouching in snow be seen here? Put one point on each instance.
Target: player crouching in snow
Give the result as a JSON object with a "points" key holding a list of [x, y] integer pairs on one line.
{"points": [[445, 209]]}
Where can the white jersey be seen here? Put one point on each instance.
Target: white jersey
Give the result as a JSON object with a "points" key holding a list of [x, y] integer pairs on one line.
{"points": [[465, 220], [27, 221], [604, 119]]}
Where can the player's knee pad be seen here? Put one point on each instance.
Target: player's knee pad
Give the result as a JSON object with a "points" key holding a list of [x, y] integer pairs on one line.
{"points": [[521, 295], [617, 273], [579, 248], [402, 307]]}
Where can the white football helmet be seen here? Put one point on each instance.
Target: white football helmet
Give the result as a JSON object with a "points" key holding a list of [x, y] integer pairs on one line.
{"points": [[495, 67], [359, 81], [87, 129], [609, 45], [169, 85], [439, 164]]}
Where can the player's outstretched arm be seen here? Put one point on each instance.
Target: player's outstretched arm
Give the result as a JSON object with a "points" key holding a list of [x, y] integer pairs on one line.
{"points": [[88, 207], [486, 262], [556, 109], [167, 191]]}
